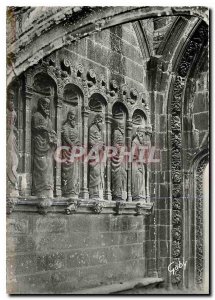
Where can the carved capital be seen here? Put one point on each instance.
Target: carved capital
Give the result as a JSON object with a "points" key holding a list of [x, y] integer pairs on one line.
{"points": [[108, 118], [85, 111], [129, 125], [72, 207], [140, 209], [43, 205], [97, 207]]}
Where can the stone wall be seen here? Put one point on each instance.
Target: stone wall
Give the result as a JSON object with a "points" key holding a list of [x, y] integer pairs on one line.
{"points": [[67, 253], [114, 53], [62, 254]]}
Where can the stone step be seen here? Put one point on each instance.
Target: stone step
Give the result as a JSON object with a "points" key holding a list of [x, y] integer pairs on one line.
{"points": [[121, 286]]}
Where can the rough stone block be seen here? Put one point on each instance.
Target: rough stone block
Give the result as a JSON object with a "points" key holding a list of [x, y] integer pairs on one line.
{"points": [[92, 276], [50, 224], [164, 160], [129, 36], [132, 53], [162, 232], [164, 249], [78, 258], [160, 104], [163, 123], [58, 241], [133, 70], [17, 225], [119, 223], [162, 141], [129, 252], [201, 121], [100, 256], [19, 244], [151, 263], [150, 249], [79, 47], [30, 284], [102, 55], [64, 281], [116, 63], [164, 261], [162, 203], [201, 102], [128, 238], [109, 238], [164, 217], [103, 38], [51, 261], [116, 43], [83, 223], [135, 223], [22, 264], [117, 30]]}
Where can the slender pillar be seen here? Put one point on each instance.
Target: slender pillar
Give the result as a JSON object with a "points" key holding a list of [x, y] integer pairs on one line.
{"points": [[129, 165], [107, 192], [84, 165], [58, 191], [26, 178]]}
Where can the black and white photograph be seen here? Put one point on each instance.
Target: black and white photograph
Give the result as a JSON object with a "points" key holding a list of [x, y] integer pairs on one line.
{"points": [[107, 150]]}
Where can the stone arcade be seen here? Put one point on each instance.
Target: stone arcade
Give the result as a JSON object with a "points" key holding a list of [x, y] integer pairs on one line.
{"points": [[87, 91]]}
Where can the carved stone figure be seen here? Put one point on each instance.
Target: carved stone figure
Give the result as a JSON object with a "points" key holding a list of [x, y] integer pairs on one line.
{"points": [[119, 175], [70, 174], [44, 143], [138, 167], [96, 170], [12, 149]]}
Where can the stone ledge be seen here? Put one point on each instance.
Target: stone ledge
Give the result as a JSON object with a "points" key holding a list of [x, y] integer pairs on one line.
{"points": [[77, 206], [122, 286]]}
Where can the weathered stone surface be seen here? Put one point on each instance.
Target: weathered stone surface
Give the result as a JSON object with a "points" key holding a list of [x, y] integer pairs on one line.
{"points": [[50, 225], [17, 226], [156, 67]]}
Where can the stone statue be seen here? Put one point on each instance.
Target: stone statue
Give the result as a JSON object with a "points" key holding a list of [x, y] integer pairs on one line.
{"points": [[96, 170], [70, 172], [44, 142], [138, 167], [12, 149], [119, 175]]}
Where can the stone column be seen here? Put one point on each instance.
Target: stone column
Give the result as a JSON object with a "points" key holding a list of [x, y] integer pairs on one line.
{"points": [[84, 165], [129, 165], [26, 178], [58, 192], [107, 179]]}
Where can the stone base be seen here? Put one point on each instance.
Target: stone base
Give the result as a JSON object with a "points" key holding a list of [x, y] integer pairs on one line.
{"points": [[121, 287]]}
